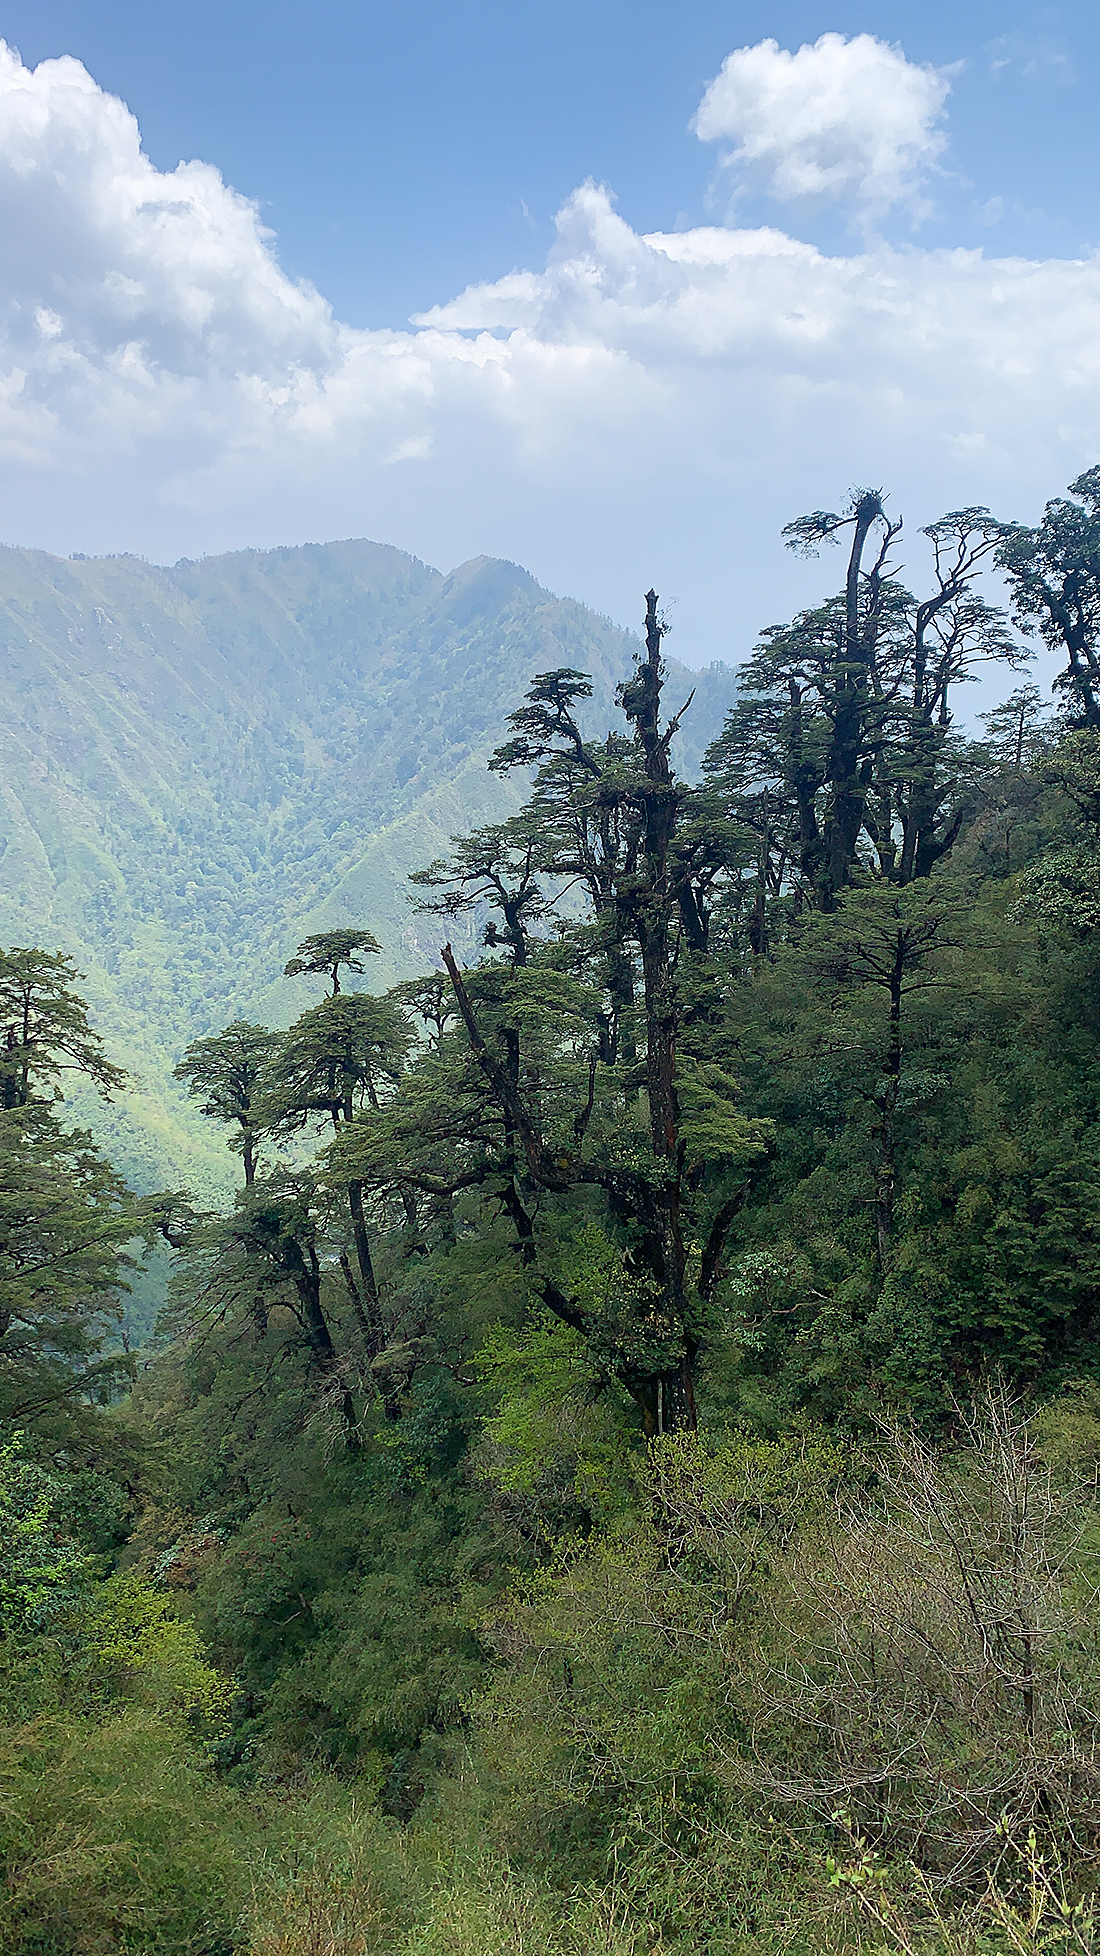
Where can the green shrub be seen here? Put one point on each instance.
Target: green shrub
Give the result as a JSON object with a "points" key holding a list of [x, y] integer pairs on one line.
{"points": [[115, 1838]]}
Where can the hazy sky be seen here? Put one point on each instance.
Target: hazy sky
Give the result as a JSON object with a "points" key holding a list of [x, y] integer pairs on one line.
{"points": [[610, 289]]}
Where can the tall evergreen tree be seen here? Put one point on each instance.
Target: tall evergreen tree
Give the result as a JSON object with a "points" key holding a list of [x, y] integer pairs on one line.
{"points": [[44, 1030], [1053, 573], [840, 752], [226, 1072], [65, 1217], [642, 1136]]}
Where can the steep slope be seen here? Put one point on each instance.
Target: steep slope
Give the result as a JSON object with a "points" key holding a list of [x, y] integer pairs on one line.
{"points": [[201, 763]]}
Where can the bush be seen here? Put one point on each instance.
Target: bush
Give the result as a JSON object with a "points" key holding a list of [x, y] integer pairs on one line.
{"points": [[115, 1838]]}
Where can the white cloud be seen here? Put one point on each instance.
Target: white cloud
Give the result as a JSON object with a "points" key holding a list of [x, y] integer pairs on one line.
{"points": [[123, 254], [839, 119], [640, 409]]}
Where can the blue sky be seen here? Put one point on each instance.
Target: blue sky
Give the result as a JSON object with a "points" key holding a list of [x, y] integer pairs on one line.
{"points": [[661, 298], [403, 150]]}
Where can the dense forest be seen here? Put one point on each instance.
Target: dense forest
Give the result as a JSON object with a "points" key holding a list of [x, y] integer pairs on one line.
{"points": [[623, 1473]]}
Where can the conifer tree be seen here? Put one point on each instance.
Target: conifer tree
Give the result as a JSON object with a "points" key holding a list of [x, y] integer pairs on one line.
{"points": [[1054, 575], [330, 952], [840, 752], [226, 1072], [44, 1030], [65, 1216]]}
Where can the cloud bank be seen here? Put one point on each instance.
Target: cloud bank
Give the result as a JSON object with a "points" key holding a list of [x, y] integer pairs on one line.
{"points": [[642, 408]]}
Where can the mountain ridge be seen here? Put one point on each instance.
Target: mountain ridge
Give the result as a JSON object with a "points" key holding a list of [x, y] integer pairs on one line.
{"points": [[203, 761]]}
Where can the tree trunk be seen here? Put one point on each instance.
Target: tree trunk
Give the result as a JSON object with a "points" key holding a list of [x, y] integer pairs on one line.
{"points": [[371, 1300], [306, 1274], [843, 770], [673, 1401], [667, 1402]]}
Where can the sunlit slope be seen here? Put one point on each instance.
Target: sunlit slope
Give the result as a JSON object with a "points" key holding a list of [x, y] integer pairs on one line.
{"points": [[200, 763]]}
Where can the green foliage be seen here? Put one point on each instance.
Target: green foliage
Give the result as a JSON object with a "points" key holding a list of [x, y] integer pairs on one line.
{"points": [[337, 1055], [41, 1568], [1052, 573], [562, 1433], [44, 1030], [1031, 1912], [67, 1224], [1063, 890], [115, 1839], [227, 1074], [140, 1648], [331, 952]]}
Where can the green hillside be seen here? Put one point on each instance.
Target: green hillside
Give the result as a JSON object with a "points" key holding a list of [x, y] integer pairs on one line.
{"points": [[201, 764], [622, 1478]]}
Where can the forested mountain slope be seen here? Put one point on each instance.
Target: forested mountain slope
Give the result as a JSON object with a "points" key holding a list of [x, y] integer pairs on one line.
{"points": [[200, 764], [623, 1474]]}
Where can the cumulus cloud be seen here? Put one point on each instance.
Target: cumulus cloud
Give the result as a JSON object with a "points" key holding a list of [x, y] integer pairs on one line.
{"points": [[839, 119], [639, 409]]}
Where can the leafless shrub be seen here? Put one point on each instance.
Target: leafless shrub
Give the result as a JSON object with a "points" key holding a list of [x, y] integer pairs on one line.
{"points": [[1041, 1916], [926, 1660]]}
